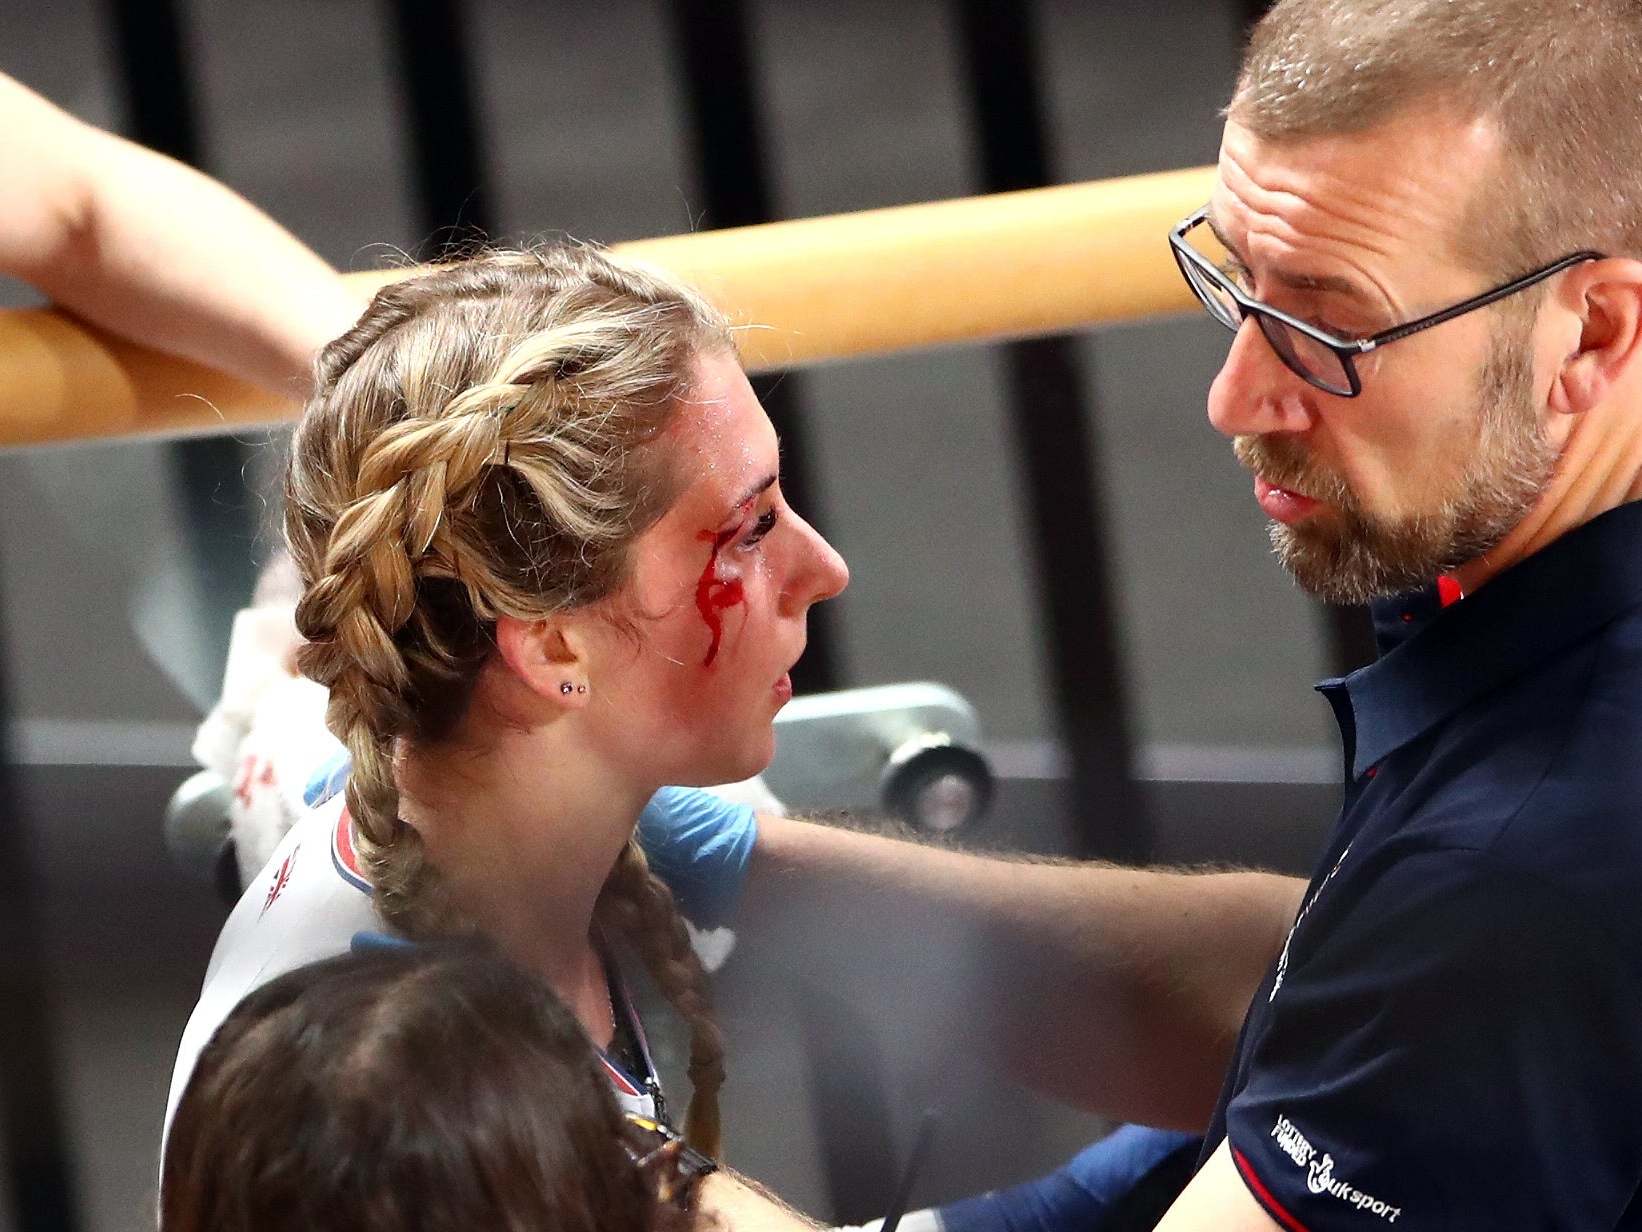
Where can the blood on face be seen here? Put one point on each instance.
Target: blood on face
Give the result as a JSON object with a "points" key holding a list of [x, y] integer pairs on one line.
{"points": [[713, 595]]}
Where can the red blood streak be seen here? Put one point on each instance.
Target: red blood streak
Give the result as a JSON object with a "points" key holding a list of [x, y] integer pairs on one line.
{"points": [[712, 595]]}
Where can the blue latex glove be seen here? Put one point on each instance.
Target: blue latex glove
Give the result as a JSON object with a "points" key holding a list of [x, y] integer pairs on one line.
{"points": [[329, 779], [370, 941], [700, 845]]}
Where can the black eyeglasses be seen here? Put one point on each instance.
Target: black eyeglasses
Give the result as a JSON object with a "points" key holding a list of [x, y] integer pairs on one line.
{"points": [[1314, 355]]}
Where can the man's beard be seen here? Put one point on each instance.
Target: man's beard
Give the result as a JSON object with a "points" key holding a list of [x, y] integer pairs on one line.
{"points": [[1348, 555]]}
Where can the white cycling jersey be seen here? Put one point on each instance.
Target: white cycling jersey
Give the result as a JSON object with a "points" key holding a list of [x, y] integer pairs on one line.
{"points": [[309, 903]]}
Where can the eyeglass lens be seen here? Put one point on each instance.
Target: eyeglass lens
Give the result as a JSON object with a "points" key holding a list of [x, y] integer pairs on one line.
{"points": [[1304, 355]]}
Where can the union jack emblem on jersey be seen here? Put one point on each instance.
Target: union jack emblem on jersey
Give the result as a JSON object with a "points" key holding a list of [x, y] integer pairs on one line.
{"points": [[281, 879]]}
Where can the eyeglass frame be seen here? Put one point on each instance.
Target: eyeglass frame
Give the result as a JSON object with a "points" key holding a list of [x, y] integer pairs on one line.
{"points": [[1346, 350]]}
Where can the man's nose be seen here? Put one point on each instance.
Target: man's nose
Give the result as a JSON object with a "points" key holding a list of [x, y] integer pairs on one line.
{"points": [[1255, 393]]}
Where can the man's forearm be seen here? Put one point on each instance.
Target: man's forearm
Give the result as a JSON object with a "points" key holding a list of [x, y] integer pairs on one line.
{"points": [[1118, 989], [738, 1204]]}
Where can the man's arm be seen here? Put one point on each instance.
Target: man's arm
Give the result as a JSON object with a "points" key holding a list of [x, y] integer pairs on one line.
{"points": [[726, 1200], [1118, 989], [1217, 1200], [156, 252]]}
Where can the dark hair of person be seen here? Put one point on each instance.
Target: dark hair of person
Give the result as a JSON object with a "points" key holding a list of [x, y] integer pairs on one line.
{"points": [[435, 1089]]}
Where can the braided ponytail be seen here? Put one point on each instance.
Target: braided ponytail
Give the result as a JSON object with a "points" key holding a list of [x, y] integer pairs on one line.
{"points": [[637, 905], [475, 449]]}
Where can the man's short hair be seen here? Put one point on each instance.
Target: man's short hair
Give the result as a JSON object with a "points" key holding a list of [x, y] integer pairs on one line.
{"points": [[1560, 79]]}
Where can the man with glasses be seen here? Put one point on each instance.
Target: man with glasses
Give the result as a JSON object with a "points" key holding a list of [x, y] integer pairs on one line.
{"points": [[1451, 1034]]}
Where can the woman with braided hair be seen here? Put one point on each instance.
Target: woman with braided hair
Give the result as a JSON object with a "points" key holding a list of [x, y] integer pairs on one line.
{"points": [[547, 569]]}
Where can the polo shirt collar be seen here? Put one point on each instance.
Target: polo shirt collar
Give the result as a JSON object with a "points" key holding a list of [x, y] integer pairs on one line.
{"points": [[1520, 618]]}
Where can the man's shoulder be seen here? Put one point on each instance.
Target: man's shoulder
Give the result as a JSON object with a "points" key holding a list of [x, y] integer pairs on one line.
{"points": [[1543, 780], [1430, 997], [1411, 909]]}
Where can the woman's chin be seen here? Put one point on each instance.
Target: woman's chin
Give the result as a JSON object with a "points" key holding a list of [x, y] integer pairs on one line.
{"points": [[747, 759], [756, 761]]}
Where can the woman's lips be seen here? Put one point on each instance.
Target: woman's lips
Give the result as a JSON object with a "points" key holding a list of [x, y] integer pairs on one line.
{"points": [[783, 689], [1280, 504]]}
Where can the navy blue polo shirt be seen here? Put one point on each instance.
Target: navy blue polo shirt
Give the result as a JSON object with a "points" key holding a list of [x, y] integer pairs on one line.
{"points": [[1452, 1036]]}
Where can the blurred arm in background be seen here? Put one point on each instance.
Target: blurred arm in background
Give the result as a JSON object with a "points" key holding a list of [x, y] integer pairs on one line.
{"points": [[1120, 990], [156, 252]]}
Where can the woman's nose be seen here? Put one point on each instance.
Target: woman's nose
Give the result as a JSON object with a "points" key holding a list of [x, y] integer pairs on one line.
{"points": [[819, 572]]}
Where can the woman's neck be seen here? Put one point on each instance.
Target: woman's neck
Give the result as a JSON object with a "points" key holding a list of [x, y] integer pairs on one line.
{"points": [[524, 833]]}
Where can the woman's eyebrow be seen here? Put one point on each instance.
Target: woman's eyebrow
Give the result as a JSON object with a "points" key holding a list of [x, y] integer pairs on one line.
{"points": [[754, 492]]}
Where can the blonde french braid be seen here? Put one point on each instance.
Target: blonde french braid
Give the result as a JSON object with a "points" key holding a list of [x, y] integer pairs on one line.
{"points": [[637, 905]]}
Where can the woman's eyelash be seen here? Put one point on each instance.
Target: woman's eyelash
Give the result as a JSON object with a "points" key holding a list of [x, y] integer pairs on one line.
{"points": [[762, 527]]}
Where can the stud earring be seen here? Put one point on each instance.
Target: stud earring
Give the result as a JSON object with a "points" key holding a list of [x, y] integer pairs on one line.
{"points": [[581, 688], [565, 687]]}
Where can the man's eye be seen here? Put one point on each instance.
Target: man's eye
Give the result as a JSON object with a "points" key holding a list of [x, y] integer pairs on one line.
{"points": [[1337, 331], [762, 527], [1236, 273]]}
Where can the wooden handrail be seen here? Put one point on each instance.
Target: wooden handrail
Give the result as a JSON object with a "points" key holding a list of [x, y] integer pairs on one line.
{"points": [[811, 290]]}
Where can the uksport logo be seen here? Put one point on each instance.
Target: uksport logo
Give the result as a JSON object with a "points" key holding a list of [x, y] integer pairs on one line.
{"points": [[1320, 1178]]}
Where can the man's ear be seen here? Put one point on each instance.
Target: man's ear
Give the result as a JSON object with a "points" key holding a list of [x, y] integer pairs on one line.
{"points": [[1605, 297], [545, 656]]}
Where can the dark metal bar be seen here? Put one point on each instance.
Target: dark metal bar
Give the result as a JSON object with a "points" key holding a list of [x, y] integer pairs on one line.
{"points": [[161, 114], [219, 525], [31, 1104], [713, 46], [443, 134], [1058, 455]]}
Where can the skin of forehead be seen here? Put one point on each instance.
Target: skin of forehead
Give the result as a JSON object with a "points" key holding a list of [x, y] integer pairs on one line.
{"points": [[725, 432], [1381, 206], [726, 438]]}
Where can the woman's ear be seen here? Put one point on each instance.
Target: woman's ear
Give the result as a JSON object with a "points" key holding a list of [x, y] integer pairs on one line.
{"points": [[1606, 299], [543, 655]]}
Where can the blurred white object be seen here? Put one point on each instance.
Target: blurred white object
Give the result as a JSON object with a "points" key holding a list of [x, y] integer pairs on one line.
{"points": [[258, 745]]}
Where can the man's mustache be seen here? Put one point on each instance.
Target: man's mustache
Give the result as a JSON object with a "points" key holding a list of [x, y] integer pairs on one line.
{"points": [[1281, 461]]}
